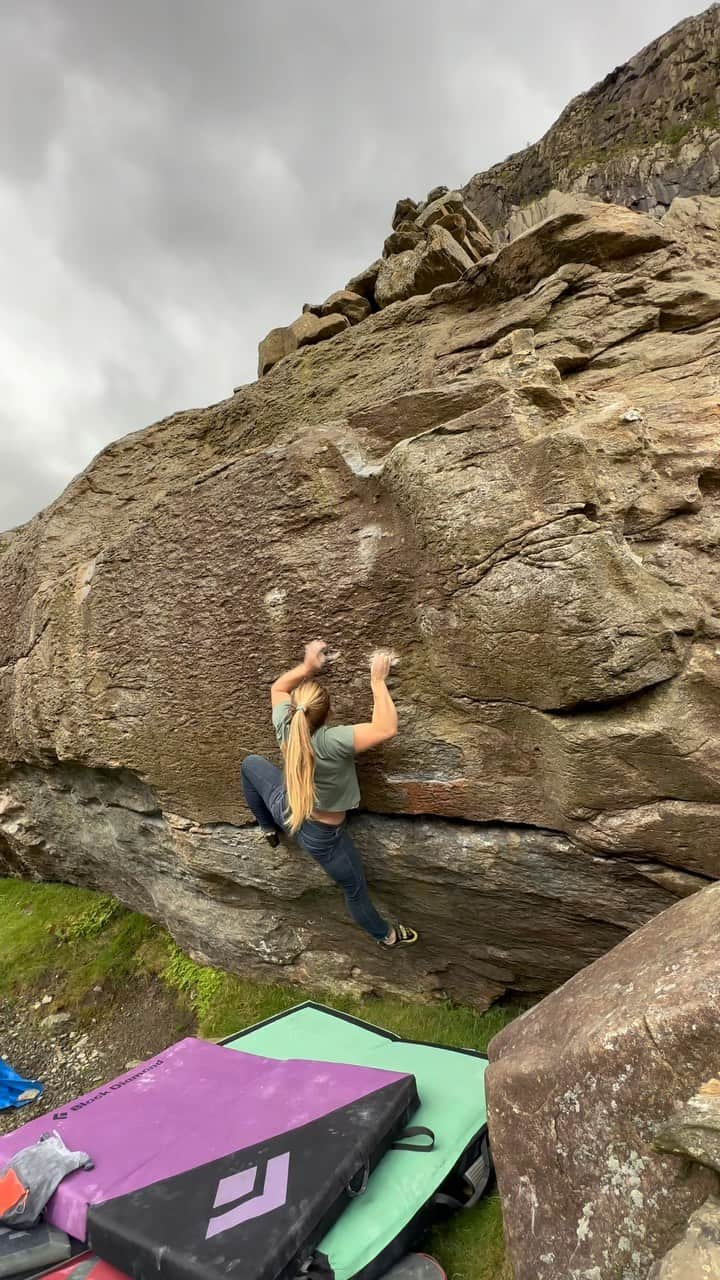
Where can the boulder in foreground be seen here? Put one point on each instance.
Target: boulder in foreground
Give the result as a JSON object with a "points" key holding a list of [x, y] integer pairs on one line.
{"points": [[577, 1088]]}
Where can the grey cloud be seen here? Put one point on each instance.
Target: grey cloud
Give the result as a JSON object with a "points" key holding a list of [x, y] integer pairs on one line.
{"points": [[179, 176]]}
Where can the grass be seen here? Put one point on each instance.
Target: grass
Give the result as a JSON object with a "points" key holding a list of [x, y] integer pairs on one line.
{"points": [[675, 132], [77, 939], [83, 939], [224, 1003], [471, 1246]]}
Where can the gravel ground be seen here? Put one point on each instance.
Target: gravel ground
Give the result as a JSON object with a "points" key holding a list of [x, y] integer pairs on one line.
{"points": [[73, 1052]]}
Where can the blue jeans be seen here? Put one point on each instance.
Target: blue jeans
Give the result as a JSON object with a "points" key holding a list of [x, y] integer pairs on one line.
{"points": [[330, 846]]}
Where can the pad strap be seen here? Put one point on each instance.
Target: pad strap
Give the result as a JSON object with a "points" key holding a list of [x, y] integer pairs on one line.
{"points": [[415, 1131]]}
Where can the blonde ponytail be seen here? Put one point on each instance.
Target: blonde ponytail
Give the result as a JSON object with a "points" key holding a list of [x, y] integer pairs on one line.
{"points": [[309, 709]]}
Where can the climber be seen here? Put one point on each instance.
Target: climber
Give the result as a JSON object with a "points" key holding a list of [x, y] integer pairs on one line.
{"points": [[319, 786]]}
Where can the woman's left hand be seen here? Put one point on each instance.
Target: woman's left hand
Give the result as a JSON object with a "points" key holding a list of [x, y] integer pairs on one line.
{"points": [[315, 655]]}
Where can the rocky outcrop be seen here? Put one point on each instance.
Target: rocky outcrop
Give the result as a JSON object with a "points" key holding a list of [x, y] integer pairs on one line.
{"points": [[436, 260], [346, 303], [308, 329], [694, 1130], [648, 132], [274, 915], [576, 1090], [513, 480], [697, 1255], [694, 1133], [431, 243]]}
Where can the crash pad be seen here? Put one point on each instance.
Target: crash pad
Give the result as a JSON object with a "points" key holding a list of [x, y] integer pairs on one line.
{"points": [[84, 1266], [23, 1252], [204, 1156], [406, 1191]]}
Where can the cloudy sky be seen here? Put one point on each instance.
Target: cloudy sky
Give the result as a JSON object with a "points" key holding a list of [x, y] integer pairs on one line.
{"points": [[179, 176]]}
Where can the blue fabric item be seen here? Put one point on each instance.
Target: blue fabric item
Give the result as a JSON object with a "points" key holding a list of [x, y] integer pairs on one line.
{"points": [[12, 1086]]}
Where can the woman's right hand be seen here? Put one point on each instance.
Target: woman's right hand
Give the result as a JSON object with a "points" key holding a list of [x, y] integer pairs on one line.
{"points": [[381, 662]]}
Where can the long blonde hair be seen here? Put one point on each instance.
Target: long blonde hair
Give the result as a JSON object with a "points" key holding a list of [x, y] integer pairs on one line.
{"points": [[309, 707]]}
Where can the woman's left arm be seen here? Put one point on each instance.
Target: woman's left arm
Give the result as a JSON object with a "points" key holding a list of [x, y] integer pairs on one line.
{"points": [[312, 664]]}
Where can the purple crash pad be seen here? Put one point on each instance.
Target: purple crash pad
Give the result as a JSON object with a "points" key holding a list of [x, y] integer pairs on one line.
{"points": [[194, 1103]]}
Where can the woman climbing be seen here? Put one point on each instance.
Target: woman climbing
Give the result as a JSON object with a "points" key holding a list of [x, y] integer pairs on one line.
{"points": [[320, 784]]}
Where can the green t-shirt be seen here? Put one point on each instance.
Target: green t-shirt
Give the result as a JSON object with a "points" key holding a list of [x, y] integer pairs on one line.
{"points": [[336, 784]]}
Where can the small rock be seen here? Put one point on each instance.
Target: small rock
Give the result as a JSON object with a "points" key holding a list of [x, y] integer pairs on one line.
{"points": [[55, 1020], [46, 1000], [28, 1095]]}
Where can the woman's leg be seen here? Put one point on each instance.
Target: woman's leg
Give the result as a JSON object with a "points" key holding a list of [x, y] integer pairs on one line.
{"points": [[335, 852], [262, 787]]}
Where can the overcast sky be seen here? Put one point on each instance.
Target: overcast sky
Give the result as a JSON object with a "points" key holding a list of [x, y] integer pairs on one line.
{"points": [[179, 176]]}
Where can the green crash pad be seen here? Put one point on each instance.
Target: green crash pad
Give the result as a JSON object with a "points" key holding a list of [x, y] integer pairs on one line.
{"points": [[378, 1226]]}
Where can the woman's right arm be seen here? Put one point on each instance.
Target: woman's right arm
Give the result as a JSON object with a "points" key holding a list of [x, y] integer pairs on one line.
{"points": [[311, 666], [384, 723]]}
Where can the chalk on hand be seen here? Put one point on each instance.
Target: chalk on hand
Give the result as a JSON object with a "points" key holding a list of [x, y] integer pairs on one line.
{"points": [[384, 653]]}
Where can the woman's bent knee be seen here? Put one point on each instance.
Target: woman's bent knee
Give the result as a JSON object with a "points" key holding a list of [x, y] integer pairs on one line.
{"points": [[248, 764]]}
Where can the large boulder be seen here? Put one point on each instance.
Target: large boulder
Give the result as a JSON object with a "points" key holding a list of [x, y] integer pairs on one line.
{"points": [[309, 328], [515, 481], [444, 203], [696, 220], [576, 1089], [405, 236], [436, 260], [314, 325], [364, 282], [278, 343], [405, 211], [547, 206], [345, 302]]}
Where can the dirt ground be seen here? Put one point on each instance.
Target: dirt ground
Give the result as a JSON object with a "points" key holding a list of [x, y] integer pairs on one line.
{"points": [[86, 1047]]}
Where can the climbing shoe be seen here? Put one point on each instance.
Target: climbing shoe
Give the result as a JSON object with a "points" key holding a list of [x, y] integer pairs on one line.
{"points": [[404, 937], [270, 837]]}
